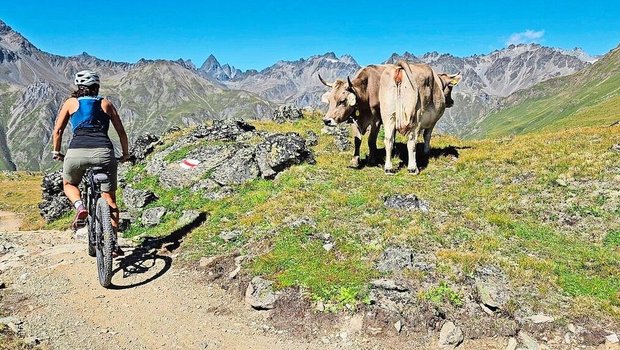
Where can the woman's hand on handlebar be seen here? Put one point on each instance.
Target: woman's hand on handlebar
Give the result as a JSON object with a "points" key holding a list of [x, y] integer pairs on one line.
{"points": [[124, 158], [58, 156]]}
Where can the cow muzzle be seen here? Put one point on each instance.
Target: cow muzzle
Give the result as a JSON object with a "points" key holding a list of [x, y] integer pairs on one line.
{"points": [[330, 122]]}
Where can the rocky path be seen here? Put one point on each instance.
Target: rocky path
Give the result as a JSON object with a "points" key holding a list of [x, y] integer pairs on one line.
{"points": [[53, 292], [50, 295]]}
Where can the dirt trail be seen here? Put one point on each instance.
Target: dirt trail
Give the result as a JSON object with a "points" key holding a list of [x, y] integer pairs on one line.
{"points": [[155, 304], [9, 221]]}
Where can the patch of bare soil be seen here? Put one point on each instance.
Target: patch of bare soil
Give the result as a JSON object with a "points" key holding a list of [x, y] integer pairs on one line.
{"points": [[9, 221]]}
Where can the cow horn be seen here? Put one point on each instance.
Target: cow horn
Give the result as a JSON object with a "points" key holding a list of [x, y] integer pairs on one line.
{"points": [[324, 83], [351, 86]]}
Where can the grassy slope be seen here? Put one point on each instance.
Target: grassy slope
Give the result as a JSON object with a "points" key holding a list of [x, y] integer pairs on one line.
{"points": [[21, 193], [590, 97], [544, 207]]}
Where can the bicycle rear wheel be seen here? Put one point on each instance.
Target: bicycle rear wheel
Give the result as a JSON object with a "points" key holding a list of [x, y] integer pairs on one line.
{"points": [[92, 242], [105, 241]]}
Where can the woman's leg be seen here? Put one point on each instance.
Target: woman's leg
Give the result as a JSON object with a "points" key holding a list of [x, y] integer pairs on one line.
{"points": [[71, 191], [72, 172]]}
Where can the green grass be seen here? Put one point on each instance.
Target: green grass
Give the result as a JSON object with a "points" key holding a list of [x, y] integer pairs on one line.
{"points": [[612, 239], [540, 206], [297, 260], [443, 294], [21, 193]]}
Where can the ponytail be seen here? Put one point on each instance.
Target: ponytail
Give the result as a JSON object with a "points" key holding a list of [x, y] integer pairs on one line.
{"points": [[84, 90]]}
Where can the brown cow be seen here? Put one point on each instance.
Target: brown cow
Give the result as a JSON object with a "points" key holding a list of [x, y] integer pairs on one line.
{"points": [[413, 97], [357, 100]]}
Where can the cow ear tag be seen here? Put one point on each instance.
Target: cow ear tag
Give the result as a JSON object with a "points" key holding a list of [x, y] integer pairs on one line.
{"points": [[455, 79], [351, 100], [357, 112]]}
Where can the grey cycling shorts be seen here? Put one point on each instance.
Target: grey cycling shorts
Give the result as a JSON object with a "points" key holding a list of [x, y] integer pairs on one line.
{"points": [[78, 160]]}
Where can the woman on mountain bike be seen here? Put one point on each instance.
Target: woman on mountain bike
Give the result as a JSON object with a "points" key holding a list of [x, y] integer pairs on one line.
{"points": [[90, 116]]}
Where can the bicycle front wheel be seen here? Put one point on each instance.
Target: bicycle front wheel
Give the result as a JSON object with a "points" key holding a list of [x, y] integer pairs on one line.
{"points": [[105, 241]]}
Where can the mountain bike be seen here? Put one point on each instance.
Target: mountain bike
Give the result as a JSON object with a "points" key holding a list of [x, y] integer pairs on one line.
{"points": [[101, 237]]}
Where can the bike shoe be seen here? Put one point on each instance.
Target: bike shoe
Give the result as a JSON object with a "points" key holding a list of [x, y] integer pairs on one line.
{"points": [[80, 218], [117, 252]]}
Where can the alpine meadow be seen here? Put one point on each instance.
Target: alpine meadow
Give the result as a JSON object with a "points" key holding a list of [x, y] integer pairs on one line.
{"points": [[244, 225]]}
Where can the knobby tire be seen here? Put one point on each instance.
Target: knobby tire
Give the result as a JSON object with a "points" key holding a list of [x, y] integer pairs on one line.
{"points": [[105, 242]]}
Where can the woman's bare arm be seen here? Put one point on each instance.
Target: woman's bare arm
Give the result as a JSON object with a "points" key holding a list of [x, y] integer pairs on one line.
{"points": [[61, 123], [109, 109]]}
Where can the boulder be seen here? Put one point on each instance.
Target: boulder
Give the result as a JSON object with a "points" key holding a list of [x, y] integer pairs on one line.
{"points": [[54, 204], [396, 259], [279, 151], [188, 218], [528, 341], [152, 217], [287, 113], [312, 139], [229, 236], [222, 130], [143, 145], [260, 295], [238, 169], [136, 199], [408, 202], [342, 137], [492, 287], [450, 336], [388, 284]]}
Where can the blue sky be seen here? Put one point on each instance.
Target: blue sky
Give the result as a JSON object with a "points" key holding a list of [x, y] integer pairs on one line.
{"points": [[256, 34]]}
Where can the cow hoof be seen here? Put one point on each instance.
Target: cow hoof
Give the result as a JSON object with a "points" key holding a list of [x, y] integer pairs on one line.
{"points": [[354, 165], [390, 171], [414, 171]]}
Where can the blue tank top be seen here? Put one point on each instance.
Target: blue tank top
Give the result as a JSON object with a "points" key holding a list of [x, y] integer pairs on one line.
{"points": [[90, 124]]}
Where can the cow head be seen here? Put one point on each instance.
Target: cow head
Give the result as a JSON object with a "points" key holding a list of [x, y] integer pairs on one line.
{"points": [[342, 101], [448, 81]]}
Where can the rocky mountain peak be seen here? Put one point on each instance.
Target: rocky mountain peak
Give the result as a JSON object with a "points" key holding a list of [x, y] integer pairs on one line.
{"points": [[13, 41], [4, 27], [210, 63], [330, 55], [186, 63], [407, 56], [348, 59], [212, 68]]}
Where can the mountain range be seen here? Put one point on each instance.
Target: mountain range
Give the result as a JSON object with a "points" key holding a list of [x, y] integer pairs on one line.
{"points": [[154, 95]]}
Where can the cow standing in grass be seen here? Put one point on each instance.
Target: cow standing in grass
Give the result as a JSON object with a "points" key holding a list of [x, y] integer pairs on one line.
{"points": [[357, 101], [412, 97]]}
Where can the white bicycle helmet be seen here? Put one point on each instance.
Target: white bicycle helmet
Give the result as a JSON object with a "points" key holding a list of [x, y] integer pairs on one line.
{"points": [[86, 77]]}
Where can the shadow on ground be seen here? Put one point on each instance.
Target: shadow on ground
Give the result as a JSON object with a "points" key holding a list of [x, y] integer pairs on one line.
{"points": [[400, 151], [147, 262]]}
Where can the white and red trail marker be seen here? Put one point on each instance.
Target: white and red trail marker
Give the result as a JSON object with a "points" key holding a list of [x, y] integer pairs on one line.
{"points": [[189, 163]]}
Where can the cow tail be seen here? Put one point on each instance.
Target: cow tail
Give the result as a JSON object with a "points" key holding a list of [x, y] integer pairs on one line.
{"points": [[407, 122], [399, 108]]}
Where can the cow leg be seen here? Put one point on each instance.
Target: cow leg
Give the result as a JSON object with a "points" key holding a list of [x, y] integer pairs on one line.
{"points": [[357, 143], [427, 140], [372, 143], [411, 143], [388, 140]]}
